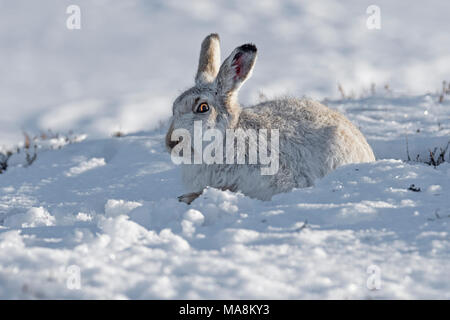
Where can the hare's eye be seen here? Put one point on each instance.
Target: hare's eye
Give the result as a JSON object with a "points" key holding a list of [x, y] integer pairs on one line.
{"points": [[203, 107]]}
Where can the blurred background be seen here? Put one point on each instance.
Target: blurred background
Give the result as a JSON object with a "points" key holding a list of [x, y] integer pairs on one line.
{"points": [[130, 59]]}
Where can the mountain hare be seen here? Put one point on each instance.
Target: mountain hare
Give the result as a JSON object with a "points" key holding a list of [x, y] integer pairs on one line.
{"points": [[313, 139]]}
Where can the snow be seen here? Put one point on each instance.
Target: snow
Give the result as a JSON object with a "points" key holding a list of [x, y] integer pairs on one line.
{"points": [[34, 217], [85, 166], [116, 217], [129, 60], [97, 217]]}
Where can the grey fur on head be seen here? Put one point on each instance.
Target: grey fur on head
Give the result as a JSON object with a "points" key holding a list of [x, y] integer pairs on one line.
{"points": [[313, 139]]}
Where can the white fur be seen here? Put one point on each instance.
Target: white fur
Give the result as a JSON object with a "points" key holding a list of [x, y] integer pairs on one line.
{"points": [[314, 139]]}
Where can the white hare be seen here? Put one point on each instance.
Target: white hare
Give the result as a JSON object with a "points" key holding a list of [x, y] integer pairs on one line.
{"points": [[313, 139]]}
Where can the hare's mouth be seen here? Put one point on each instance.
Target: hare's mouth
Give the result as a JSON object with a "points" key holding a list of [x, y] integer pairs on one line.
{"points": [[172, 143]]}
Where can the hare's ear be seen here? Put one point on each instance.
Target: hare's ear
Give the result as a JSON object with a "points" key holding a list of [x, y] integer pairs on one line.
{"points": [[209, 62], [236, 69]]}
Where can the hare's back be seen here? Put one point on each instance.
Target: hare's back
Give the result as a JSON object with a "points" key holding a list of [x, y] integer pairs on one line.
{"points": [[288, 112], [308, 121]]}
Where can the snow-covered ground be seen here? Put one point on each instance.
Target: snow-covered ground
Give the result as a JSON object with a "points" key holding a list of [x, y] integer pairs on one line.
{"points": [[96, 216], [108, 208]]}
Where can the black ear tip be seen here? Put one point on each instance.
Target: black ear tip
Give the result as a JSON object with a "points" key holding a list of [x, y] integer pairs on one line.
{"points": [[248, 47], [214, 35]]}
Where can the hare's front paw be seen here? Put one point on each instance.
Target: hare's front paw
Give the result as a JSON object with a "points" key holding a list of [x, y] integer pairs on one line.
{"points": [[189, 197]]}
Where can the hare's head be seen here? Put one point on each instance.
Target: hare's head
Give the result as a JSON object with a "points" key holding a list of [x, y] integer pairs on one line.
{"points": [[213, 99]]}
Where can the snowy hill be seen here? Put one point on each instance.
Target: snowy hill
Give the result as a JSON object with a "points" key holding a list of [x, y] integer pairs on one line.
{"points": [[95, 216], [86, 80], [99, 218]]}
